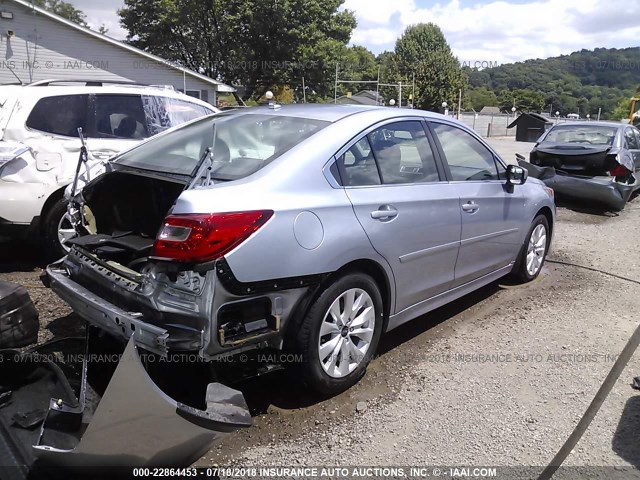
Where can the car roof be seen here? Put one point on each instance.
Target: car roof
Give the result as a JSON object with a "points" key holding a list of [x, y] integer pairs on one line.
{"points": [[330, 112]]}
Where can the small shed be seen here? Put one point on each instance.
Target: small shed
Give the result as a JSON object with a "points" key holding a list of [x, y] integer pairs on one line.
{"points": [[529, 126]]}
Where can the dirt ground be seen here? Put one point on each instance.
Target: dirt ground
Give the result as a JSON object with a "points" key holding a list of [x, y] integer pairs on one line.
{"points": [[500, 378]]}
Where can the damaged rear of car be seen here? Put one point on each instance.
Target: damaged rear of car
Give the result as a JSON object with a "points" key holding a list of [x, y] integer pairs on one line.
{"points": [[589, 161]]}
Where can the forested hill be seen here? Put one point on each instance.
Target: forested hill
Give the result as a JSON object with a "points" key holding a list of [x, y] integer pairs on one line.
{"points": [[582, 81]]}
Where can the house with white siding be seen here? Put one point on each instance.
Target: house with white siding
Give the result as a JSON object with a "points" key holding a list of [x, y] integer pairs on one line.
{"points": [[37, 45]]}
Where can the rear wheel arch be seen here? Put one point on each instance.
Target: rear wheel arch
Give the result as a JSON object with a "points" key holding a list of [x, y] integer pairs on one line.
{"points": [[52, 211], [375, 271], [366, 266], [51, 201]]}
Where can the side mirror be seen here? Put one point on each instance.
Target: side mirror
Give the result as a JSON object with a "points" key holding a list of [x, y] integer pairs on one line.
{"points": [[516, 175]]}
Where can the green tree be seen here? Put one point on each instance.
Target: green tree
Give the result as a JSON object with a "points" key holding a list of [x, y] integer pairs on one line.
{"points": [[357, 63], [583, 107], [621, 110], [525, 100], [423, 51], [64, 9], [254, 43], [477, 98]]}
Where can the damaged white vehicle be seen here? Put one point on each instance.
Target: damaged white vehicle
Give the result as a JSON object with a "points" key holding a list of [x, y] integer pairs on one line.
{"points": [[40, 145]]}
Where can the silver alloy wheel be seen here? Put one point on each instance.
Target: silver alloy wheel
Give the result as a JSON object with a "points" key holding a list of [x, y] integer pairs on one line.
{"points": [[65, 231], [346, 332], [536, 249]]}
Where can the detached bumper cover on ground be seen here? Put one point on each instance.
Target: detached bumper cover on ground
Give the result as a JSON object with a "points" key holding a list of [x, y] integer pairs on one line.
{"points": [[600, 189], [48, 419]]}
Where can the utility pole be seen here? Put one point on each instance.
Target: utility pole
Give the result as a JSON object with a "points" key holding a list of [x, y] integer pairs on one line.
{"points": [[378, 88], [304, 92], [335, 89], [413, 94], [400, 94]]}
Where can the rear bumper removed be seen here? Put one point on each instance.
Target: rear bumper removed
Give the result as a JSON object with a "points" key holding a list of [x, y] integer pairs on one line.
{"points": [[53, 421], [221, 317]]}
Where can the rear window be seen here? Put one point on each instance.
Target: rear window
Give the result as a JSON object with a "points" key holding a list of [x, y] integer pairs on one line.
{"points": [[584, 134], [60, 115], [243, 144]]}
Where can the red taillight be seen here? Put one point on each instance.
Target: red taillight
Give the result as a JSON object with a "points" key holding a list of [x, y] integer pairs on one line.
{"points": [[619, 171], [204, 237]]}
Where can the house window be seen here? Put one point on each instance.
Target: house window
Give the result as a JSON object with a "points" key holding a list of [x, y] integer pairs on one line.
{"points": [[194, 93]]}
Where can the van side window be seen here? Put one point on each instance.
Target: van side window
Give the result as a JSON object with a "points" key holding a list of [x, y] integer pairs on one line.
{"points": [[120, 116], [60, 115]]}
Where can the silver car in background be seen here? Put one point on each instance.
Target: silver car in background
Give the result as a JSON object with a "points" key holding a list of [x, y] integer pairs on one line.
{"points": [[305, 228]]}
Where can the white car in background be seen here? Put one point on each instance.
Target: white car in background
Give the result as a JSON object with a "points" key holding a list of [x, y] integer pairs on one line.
{"points": [[40, 145]]}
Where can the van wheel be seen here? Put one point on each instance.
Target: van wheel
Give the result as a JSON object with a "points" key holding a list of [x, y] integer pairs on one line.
{"points": [[534, 251], [340, 334], [56, 231]]}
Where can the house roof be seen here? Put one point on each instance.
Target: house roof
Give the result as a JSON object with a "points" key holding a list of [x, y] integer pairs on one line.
{"points": [[363, 97], [490, 110], [221, 87]]}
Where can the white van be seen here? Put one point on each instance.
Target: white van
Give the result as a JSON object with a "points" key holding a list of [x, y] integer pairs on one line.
{"points": [[40, 145]]}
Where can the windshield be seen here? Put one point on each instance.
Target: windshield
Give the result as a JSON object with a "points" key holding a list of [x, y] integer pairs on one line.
{"points": [[243, 144], [586, 134]]}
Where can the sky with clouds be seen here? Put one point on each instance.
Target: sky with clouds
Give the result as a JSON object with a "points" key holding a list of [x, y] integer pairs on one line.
{"points": [[493, 31]]}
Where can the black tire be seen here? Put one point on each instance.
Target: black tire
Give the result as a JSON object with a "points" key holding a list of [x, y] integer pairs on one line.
{"points": [[51, 246], [520, 272], [312, 372]]}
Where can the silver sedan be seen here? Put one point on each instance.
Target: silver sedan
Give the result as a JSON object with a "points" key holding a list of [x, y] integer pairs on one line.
{"points": [[308, 228]]}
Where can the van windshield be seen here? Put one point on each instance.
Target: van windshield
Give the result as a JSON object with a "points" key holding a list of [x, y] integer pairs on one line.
{"points": [[244, 144]]}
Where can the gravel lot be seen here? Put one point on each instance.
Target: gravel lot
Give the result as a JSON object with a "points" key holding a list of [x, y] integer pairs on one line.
{"points": [[499, 378]]}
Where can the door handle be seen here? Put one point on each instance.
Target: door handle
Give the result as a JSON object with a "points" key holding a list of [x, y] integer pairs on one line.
{"points": [[470, 207], [384, 212]]}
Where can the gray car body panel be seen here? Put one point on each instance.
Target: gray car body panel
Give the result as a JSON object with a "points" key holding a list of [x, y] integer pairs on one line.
{"points": [[319, 227], [136, 424], [131, 423]]}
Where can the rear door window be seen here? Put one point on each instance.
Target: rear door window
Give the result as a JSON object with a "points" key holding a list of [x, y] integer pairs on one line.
{"points": [[120, 116], [357, 165], [631, 139], [60, 115], [403, 153]]}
